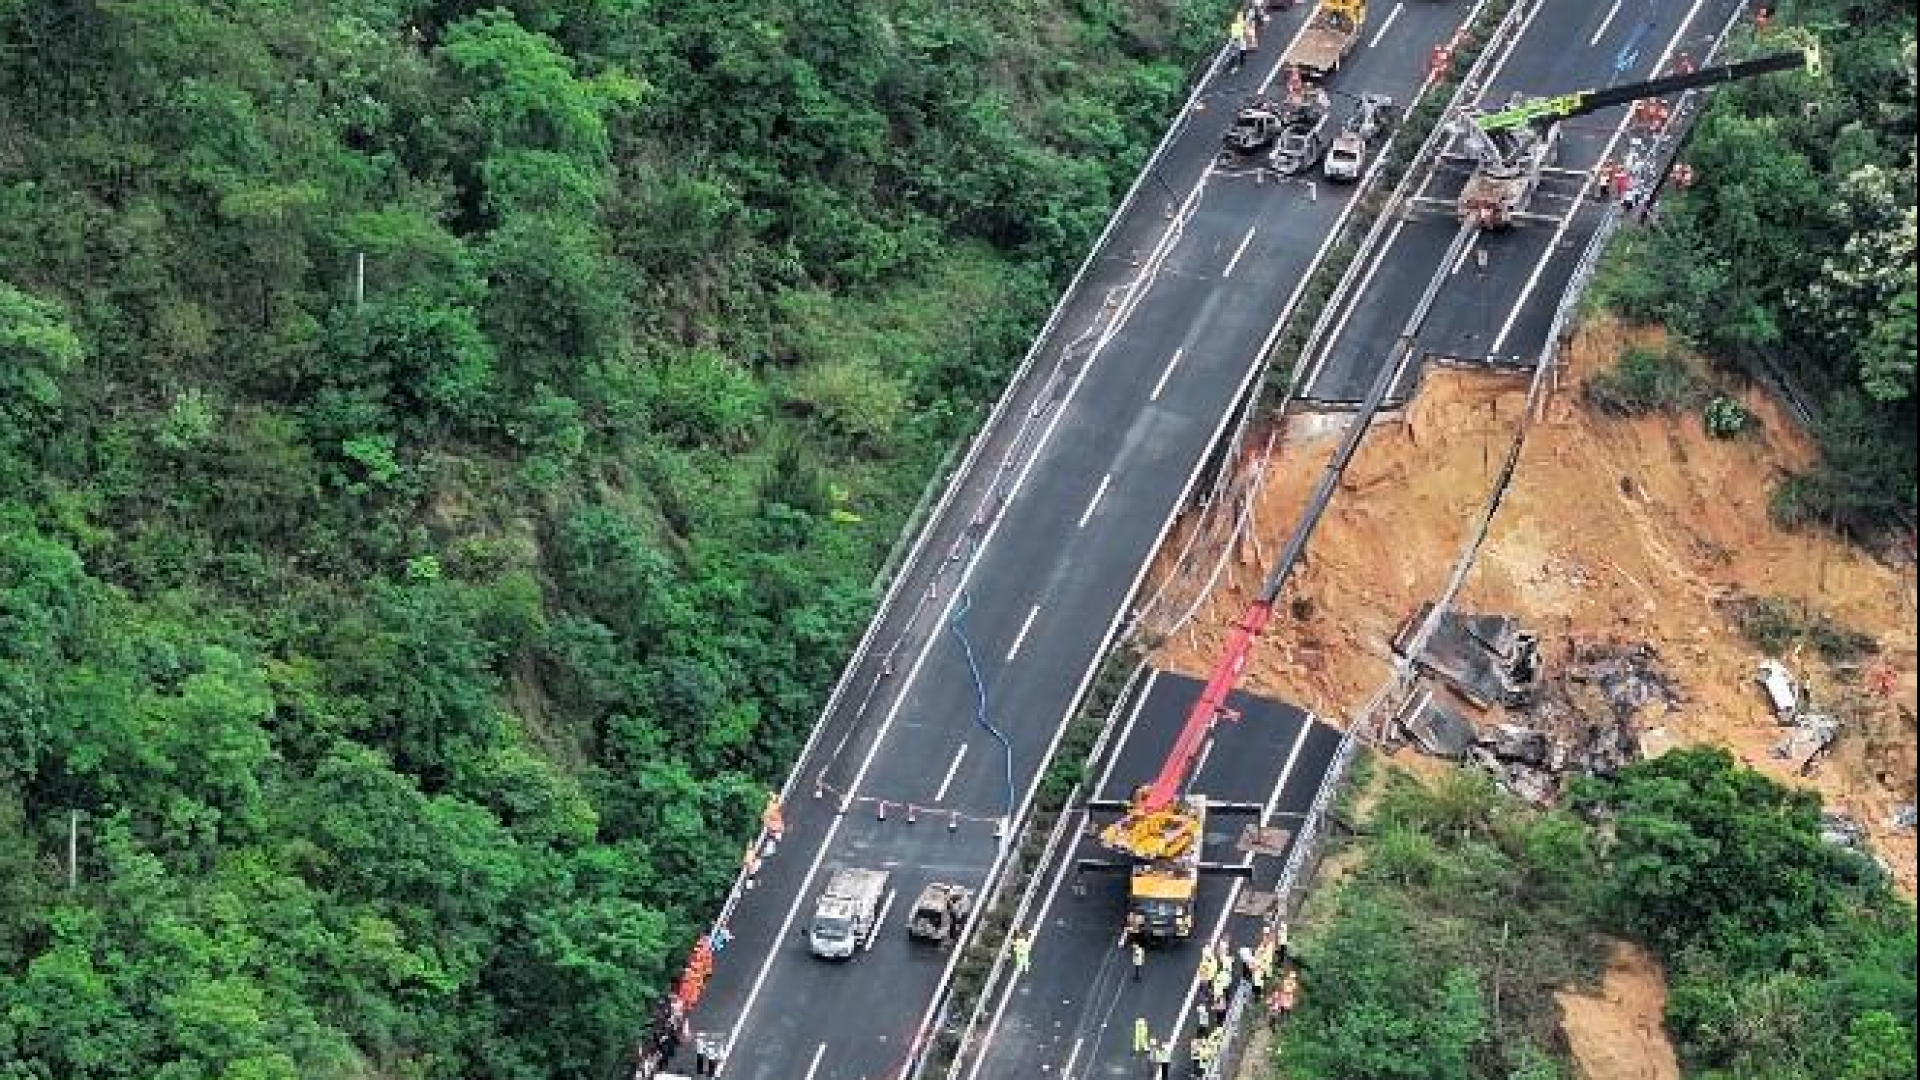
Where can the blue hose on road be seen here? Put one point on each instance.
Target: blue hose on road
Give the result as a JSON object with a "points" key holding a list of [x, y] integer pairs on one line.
{"points": [[1629, 53], [958, 625]]}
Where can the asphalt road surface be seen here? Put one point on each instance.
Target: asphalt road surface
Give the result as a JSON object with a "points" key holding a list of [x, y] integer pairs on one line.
{"points": [[1071, 1016], [1499, 299], [1180, 299]]}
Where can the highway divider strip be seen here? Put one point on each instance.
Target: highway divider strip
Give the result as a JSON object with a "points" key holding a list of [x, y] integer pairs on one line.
{"points": [[1369, 724], [947, 1047], [927, 528]]}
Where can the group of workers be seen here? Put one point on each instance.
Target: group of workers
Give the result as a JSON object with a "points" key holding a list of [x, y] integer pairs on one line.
{"points": [[1220, 972]]}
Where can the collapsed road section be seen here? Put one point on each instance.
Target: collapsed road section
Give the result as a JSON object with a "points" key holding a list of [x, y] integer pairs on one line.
{"points": [[932, 744], [1531, 177]]}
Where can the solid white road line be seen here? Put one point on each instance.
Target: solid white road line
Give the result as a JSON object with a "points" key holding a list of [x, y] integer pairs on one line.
{"points": [[1099, 492], [1604, 23], [952, 770], [1006, 991], [818, 1053], [1021, 637], [1239, 251], [1060, 875], [873, 932], [1540, 268], [1164, 375], [1465, 250], [1200, 766], [1233, 893], [1391, 15], [1168, 238], [1073, 1055]]}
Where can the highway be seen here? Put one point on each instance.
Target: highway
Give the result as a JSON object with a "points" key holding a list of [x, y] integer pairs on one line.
{"points": [[1035, 552], [1072, 1014], [1498, 302], [1071, 1017]]}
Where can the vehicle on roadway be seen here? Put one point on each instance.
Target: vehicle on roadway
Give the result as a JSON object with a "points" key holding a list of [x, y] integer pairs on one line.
{"points": [[1347, 155], [1303, 126], [1331, 33], [1512, 147], [847, 912], [1290, 131], [941, 912], [1162, 888]]}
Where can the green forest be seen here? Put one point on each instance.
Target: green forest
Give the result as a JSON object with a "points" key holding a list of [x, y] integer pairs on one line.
{"points": [[1792, 257], [446, 452], [1788, 957]]}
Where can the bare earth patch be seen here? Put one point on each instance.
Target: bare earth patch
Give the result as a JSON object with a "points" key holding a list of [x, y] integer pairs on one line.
{"points": [[1630, 530], [1616, 1033]]}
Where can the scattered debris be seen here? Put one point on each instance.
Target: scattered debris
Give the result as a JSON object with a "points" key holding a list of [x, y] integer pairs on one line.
{"points": [[1537, 732], [1904, 817], [1810, 736], [1440, 731], [1487, 659], [1841, 830], [1628, 678], [1262, 840], [1782, 689]]}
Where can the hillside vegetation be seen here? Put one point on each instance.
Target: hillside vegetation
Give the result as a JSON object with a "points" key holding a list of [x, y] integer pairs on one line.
{"points": [[445, 450], [1439, 957], [1794, 253]]}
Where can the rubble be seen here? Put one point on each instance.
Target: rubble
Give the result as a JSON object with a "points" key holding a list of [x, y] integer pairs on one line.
{"points": [[1486, 659], [1904, 816], [1531, 733], [1629, 678], [1811, 735], [1437, 728], [1842, 830]]}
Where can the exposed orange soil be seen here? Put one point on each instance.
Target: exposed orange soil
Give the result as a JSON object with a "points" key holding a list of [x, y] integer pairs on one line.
{"points": [[1618, 1033], [1621, 529]]}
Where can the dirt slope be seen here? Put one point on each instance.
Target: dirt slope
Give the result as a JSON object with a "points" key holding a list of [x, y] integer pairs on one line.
{"points": [[1618, 1033], [1622, 529]]}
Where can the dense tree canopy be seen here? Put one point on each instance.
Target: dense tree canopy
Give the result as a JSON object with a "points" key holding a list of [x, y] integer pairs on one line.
{"points": [[1788, 958], [1794, 253], [444, 452]]}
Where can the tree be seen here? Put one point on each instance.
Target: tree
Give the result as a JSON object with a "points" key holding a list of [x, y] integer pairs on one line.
{"points": [[1879, 1047], [1706, 850], [39, 348]]}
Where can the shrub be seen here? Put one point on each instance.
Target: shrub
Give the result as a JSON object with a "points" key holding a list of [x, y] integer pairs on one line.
{"points": [[1775, 623], [1643, 380], [1726, 417]]}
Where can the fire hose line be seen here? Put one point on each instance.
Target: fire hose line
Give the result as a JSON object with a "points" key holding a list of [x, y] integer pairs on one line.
{"points": [[981, 716]]}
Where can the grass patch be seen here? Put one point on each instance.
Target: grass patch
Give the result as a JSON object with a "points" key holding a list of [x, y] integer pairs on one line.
{"points": [[1644, 380], [1775, 624]]}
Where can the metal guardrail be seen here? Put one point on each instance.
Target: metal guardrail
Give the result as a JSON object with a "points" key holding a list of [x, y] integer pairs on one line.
{"points": [[997, 971], [1295, 875], [926, 528]]}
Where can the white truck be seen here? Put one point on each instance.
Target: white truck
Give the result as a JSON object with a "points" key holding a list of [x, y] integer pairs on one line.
{"points": [[848, 910]]}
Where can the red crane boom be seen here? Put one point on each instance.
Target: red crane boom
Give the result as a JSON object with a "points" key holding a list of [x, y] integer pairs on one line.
{"points": [[1211, 706]]}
